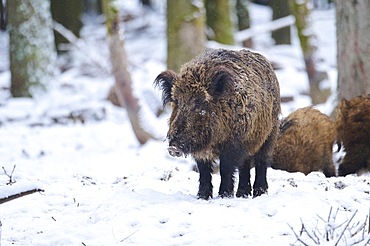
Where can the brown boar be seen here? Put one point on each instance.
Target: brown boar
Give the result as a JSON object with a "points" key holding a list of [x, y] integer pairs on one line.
{"points": [[353, 130], [225, 106], [305, 143]]}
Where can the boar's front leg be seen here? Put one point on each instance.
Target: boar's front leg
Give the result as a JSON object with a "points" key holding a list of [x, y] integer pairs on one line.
{"points": [[205, 179], [228, 163]]}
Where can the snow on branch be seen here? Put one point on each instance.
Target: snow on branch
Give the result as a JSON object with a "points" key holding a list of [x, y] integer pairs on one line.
{"points": [[263, 28], [67, 34], [18, 195]]}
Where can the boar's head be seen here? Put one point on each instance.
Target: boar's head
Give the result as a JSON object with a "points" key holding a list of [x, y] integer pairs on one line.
{"points": [[197, 96]]}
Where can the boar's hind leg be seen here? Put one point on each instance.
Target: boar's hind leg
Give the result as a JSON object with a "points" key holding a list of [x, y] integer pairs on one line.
{"points": [[205, 179], [244, 188], [261, 161]]}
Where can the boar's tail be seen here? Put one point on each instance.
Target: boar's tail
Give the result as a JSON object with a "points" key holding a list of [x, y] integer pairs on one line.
{"points": [[285, 124], [339, 145]]}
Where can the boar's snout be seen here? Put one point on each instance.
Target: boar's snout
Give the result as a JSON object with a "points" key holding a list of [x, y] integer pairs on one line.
{"points": [[176, 146], [175, 151]]}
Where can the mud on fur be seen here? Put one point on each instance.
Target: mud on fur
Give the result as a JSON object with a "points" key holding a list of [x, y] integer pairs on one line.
{"points": [[353, 130], [225, 106], [305, 143]]}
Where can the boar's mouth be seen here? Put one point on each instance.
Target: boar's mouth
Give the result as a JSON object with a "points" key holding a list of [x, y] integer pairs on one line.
{"points": [[175, 151]]}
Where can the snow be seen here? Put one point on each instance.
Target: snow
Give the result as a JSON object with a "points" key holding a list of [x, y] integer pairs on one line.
{"points": [[103, 188]]}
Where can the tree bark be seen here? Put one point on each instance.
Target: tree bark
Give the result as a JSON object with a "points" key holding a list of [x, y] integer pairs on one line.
{"points": [[353, 48], [219, 21], [301, 11], [122, 77], [32, 52], [243, 19], [280, 8], [185, 32], [3, 15]]}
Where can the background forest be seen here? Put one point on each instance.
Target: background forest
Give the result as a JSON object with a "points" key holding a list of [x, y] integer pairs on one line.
{"points": [[82, 127]]}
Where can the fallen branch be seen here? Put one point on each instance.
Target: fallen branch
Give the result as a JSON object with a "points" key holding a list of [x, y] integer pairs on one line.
{"points": [[18, 195]]}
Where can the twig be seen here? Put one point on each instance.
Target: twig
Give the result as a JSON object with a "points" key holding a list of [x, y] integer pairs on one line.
{"points": [[298, 237], [9, 176], [15, 196], [129, 236], [317, 241], [344, 229]]}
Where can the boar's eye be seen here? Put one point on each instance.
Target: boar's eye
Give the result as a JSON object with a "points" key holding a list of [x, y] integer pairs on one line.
{"points": [[197, 103], [165, 81], [220, 82]]}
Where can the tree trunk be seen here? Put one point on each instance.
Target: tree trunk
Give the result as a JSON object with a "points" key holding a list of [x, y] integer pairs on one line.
{"points": [[219, 21], [185, 32], [243, 19], [353, 48], [32, 52], [280, 8], [3, 15], [68, 13], [301, 11], [122, 77]]}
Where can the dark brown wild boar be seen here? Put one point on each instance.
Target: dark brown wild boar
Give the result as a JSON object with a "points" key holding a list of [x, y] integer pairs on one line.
{"points": [[225, 106], [305, 143], [353, 130]]}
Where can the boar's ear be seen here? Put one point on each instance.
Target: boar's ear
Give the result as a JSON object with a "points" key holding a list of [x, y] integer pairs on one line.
{"points": [[221, 82], [164, 81]]}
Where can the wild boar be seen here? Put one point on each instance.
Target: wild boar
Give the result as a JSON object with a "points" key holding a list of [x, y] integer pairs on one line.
{"points": [[305, 143], [225, 106], [353, 130]]}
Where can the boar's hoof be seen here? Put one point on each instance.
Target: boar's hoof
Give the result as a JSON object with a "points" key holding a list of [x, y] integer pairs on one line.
{"points": [[226, 194], [259, 191], [204, 195], [174, 151], [243, 193]]}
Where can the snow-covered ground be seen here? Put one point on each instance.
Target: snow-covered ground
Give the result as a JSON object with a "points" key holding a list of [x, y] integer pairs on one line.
{"points": [[103, 188]]}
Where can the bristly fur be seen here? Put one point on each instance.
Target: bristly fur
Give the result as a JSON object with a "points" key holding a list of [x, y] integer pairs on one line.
{"points": [[305, 143], [353, 130], [226, 106]]}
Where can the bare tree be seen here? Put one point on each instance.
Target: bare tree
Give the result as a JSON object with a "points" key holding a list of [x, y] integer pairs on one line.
{"points": [[68, 13], [353, 52], [185, 32], [31, 47], [3, 15], [219, 21], [242, 13], [301, 10], [280, 8], [123, 82]]}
